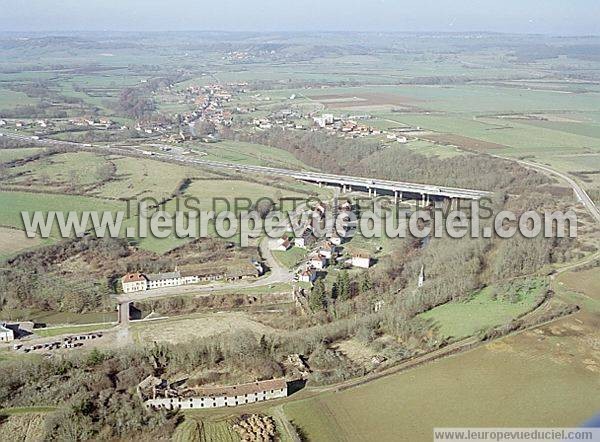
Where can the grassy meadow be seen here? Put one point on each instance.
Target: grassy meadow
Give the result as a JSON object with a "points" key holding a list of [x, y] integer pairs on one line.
{"points": [[484, 310]]}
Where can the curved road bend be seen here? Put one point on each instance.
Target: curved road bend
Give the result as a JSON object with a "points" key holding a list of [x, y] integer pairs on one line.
{"points": [[582, 195]]}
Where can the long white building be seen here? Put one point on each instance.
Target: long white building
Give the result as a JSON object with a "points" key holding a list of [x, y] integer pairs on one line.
{"points": [[215, 397]]}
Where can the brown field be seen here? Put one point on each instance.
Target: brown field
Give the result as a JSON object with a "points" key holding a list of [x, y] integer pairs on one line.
{"points": [[196, 326], [466, 143], [585, 281], [13, 240], [337, 101], [27, 427], [543, 377]]}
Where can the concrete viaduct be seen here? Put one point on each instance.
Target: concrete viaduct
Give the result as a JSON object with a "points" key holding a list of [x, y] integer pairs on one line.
{"points": [[399, 190]]}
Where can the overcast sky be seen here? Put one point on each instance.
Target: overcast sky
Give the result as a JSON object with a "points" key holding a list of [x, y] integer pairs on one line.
{"points": [[572, 17]]}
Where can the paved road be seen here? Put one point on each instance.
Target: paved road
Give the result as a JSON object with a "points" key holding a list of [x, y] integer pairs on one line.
{"points": [[582, 195], [314, 177]]}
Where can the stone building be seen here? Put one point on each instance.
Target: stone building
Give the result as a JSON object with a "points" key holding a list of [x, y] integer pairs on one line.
{"points": [[215, 397]]}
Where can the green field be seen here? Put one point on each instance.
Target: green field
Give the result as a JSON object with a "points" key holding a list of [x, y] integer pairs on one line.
{"points": [[77, 169], [51, 318], [31, 202], [57, 331], [140, 177], [248, 153], [481, 311], [206, 430], [290, 258], [9, 99], [17, 154]]}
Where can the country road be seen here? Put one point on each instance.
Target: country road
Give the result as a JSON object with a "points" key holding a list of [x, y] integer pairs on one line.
{"points": [[581, 194]]}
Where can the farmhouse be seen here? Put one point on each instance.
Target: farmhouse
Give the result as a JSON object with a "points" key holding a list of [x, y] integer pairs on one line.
{"points": [[306, 240], [335, 238], [283, 244], [361, 260], [328, 250], [134, 282], [317, 261], [307, 275], [215, 397], [6, 334]]}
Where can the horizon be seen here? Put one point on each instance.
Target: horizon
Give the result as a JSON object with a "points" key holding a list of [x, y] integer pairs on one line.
{"points": [[67, 32], [536, 17]]}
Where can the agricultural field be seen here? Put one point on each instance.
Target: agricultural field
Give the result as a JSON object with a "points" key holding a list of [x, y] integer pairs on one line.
{"points": [[456, 97], [31, 202], [94, 187], [586, 282], [13, 240], [290, 258], [540, 370], [26, 426], [9, 99], [58, 331], [488, 308], [7, 155], [530, 369], [56, 319], [188, 328], [247, 153], [67, 170], [205, 430], [141, 177]]}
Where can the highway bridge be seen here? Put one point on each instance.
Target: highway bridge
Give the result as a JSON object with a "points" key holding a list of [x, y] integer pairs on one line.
{"points": [[398, 189]]}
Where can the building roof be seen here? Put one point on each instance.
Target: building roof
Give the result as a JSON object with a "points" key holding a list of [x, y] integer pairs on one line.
{"points": [[133, 277], [328, 246], [161, 276], [238, 390], [309, 271]]}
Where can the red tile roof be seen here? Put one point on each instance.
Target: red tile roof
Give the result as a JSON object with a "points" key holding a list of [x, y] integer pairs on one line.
{"points": [[133, 277]]}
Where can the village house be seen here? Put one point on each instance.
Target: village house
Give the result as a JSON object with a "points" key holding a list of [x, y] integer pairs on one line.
{"points": [[213, 397], [346, 206], [335, 238], [6, 334], [306, 240], [361, 260], [307, 275], [134, 282], [317, 261], [282, 244], [328, 250]]}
